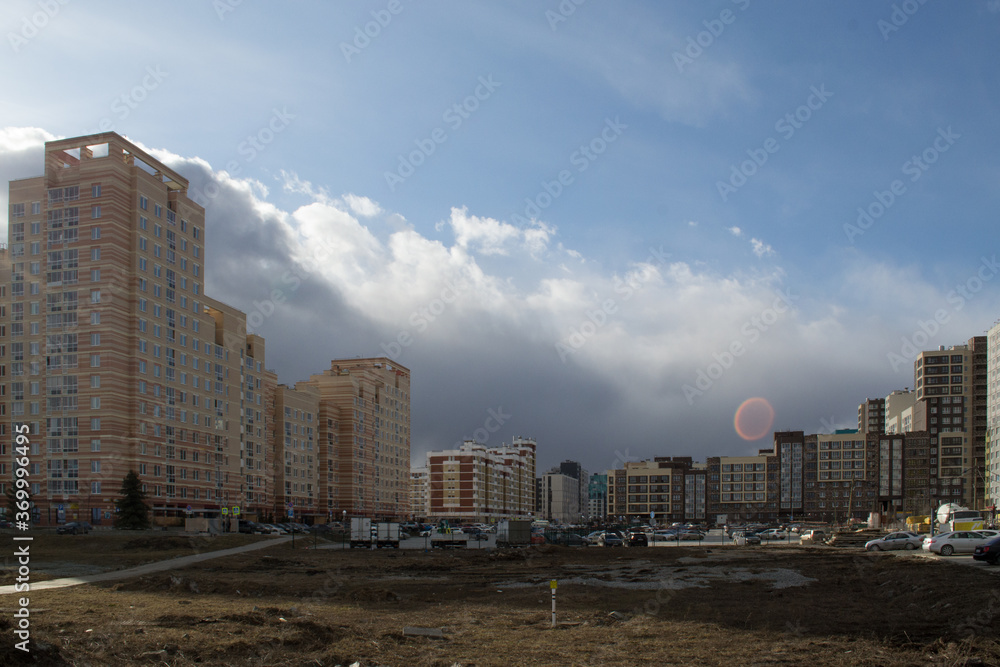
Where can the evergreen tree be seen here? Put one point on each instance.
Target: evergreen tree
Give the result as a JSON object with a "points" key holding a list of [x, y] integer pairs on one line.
{"points": [[133, 512]]}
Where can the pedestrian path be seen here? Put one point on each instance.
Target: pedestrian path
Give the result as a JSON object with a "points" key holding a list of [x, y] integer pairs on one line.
{"points": [[148, 568]]}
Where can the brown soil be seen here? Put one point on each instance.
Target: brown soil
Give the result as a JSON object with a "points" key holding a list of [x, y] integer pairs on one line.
{"points": [[681, 606]]}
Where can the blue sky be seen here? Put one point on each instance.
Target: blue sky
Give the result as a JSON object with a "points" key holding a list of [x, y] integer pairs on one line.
{"points": [[642, 110]]}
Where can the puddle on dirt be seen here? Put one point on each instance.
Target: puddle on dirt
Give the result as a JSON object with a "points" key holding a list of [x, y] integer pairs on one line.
{"points": [[674, 579]]}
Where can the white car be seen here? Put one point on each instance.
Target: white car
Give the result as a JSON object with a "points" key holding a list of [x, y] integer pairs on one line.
{"points": [[957, 542], [894, 541], [773, 534]]}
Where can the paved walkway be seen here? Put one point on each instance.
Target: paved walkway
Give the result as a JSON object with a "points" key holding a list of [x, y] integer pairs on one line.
{"points": [[148, 568]]}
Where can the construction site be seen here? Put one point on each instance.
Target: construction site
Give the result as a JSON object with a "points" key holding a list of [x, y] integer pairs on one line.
{"points": [[279, 605]]}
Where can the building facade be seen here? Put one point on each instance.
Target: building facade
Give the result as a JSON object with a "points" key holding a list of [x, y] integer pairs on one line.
{"points": [[476, 483], [364, 452], [296, 480], [117, 359]]}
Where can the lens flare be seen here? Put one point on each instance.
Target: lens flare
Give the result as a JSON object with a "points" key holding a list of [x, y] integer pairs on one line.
{"points": [[753, 418]]}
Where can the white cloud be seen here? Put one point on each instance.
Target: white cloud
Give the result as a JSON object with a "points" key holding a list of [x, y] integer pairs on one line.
{"points": [[760, 248], [362, 206], [735, 231], [22, 138], [494, 237]]}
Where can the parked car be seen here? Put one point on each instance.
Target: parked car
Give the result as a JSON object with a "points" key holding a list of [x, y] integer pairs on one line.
{"points": [[320, 528], [610, 539], [743, 538], [574, 540], [691, 536], [773, 534], [895, 541], [74, 527], [271, 529], [957, 542], [989, 552], [988, 533], [638, 539], [813, 536]]}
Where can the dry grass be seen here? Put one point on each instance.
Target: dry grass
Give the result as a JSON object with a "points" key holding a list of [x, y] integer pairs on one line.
{"points": [[330, 607]]}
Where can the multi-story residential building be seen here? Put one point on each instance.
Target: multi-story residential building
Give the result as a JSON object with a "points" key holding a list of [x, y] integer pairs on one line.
{"points": [[846, 471], [657, 488], [561, 498], [364, 437], [951, 387], [296, 479], [480, 483], [738, 487], [992, 464], [258, 411], [899, 407], [597, 497], [789, 446], [871, 416], [419, 487], [117, 359]]}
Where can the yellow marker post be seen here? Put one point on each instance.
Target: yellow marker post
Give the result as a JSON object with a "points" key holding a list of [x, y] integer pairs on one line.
{"points": [[552, 585]]}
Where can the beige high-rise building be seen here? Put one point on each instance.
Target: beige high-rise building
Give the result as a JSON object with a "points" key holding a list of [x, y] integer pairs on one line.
{"points": [[364, 436], [296, 478], [115, 358], [951, 388]]}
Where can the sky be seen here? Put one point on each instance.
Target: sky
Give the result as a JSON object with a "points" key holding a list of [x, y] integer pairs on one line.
{"points": [[605, 226]]}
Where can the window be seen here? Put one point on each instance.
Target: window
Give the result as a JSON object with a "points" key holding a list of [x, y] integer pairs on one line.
{"points": [[142, 263], [95, 423], [95, 361], [143, 203], [95, 233], [95, 211], [95, 190], [95, 253], [95, 296]]}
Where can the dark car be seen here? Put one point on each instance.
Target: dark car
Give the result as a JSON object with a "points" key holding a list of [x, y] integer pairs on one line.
{"points": [[611, 539], [74, 527], [989, 552], [574, 540], [638, 539]]}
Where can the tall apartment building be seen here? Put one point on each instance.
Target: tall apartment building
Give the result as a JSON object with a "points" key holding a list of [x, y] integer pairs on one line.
{"points": [[789, 447], [657, 487], [951, 388], [597, 497], [738, 487], [992, 464], [258, 413], [419, 489], [899, 407], [480, 483], [296, 477], [561, 498], [871, 416], [117, 359], [844, 466], [364, 437]]}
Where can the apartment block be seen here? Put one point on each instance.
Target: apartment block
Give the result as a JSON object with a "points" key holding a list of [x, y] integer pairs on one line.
{"points": [[116, 358], [738, 487], [258, 413], [480, 483], [296, 479], [419, 493], [871, 416], [951, 388], [657, 487], [899, 407], [845, 468], [364, 453], [561, 498], [597, 496], [992, 464]]}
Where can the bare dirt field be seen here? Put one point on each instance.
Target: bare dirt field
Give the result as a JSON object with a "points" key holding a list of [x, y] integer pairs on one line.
{"points": [[680, 606]]}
